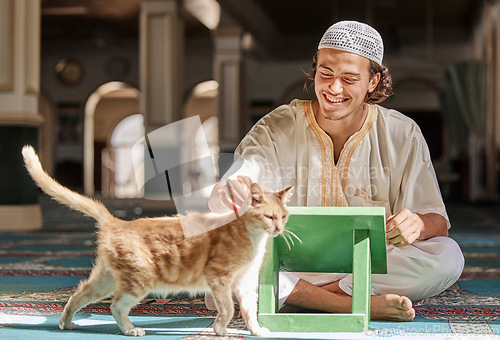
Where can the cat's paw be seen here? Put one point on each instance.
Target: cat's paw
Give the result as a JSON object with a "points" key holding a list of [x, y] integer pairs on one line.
{"points": [[220, 330], [135, 332], [66, 325], [260, 331]]}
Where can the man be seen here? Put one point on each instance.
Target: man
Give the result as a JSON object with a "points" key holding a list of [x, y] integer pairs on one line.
{"points": [[343, 150]]}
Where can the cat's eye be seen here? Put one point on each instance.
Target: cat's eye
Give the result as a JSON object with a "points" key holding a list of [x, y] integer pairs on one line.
{"points": [[283, 217], [269, 217]]}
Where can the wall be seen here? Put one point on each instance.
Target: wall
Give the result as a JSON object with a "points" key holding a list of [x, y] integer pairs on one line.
{"points": [[417, 73], [103, 61]]}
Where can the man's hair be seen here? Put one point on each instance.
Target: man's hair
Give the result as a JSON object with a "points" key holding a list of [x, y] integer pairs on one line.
{"points": [[381, 92]]}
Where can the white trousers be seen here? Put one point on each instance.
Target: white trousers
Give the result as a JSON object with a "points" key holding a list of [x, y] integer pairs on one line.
{"points": [[418, 271]]}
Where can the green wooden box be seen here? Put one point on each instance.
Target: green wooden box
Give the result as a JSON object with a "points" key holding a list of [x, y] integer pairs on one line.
{"points": [[335, 240]]}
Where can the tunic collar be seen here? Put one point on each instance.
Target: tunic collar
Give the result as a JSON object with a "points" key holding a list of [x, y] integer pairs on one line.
{"points": [[334, 176]]}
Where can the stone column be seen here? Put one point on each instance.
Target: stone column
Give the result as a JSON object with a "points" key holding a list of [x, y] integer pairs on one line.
{"points": [[228, 71], [161, 74], [19, 117], [487, 47], [161, 62]]}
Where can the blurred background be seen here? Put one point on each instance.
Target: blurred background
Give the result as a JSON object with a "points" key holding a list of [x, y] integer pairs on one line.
{"points": [[84, 80]]}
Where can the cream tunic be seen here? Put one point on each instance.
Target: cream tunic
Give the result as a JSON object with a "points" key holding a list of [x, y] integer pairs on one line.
{"points": [[378, 165], [386, 163]]}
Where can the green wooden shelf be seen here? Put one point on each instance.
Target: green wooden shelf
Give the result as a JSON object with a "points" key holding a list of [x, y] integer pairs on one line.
{"points": [[334, 240]]}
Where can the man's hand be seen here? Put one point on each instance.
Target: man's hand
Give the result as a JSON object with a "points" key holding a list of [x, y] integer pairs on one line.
{"points": [[231, 195], [406, 227], [403, 228], [236, 194]]}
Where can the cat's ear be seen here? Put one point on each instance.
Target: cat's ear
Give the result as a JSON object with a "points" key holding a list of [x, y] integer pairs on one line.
{"points": [[257, 194], [283, 194]]}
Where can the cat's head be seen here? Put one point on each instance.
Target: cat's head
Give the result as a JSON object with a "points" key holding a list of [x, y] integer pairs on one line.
{"points": [[270, 208]]}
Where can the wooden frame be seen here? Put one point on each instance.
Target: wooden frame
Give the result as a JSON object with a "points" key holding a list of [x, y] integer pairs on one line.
{"points": [[334, 239]]}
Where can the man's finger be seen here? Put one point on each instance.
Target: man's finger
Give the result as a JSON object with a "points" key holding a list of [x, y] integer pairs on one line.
{"points": [[401, 244], [392, 233], [236, 191], [227, 201], [395, 240], [247, 181]]}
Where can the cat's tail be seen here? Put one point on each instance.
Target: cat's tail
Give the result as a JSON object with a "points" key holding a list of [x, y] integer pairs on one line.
{"points": [[60, 193]]}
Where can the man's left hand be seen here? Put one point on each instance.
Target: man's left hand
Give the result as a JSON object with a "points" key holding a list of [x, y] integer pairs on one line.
{"points": [[403, 228]]}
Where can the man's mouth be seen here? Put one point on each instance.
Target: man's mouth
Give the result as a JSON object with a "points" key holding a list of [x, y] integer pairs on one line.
{"points": [[334, 100]]}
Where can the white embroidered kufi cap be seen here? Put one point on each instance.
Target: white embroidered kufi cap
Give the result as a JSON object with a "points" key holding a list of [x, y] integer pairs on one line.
{"points": [[354, 37]]}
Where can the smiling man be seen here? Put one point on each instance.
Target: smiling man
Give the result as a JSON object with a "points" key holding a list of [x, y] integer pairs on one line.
{"points": [[343, 149]]}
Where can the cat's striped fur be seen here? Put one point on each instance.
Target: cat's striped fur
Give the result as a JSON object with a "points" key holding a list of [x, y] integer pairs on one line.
{"points": [[152, 255]]}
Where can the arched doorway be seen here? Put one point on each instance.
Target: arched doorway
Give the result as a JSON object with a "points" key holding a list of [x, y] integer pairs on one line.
{"points": [[105, 108], [113, 107]]}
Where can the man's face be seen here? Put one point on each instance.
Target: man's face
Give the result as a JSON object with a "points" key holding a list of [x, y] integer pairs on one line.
{"points": [[341, 83]]}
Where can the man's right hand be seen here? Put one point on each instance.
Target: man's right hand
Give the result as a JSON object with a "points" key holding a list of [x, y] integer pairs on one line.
{"points": [[233, 195]]}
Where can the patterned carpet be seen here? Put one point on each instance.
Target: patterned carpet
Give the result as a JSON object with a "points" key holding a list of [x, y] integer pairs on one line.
{"points": [[39, 270]]}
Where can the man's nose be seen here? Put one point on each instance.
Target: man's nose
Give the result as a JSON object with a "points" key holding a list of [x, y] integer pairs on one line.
{"points": [[336, 86]]}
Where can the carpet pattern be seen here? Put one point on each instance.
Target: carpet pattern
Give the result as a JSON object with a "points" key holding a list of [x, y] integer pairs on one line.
{"points": [[40, 270]]}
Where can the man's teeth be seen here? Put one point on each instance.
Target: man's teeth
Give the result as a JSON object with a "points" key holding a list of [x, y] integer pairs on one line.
{"points": [[334, 100]]}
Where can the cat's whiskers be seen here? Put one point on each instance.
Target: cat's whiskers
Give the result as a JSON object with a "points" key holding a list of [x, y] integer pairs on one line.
{"points": [[285, 237], [288, 236]]}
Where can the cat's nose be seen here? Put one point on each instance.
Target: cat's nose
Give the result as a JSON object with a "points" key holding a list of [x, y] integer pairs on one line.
{"points": [[279, 227]]}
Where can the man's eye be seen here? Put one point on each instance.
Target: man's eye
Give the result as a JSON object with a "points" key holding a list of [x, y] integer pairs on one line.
{"points": [[350, 80]]}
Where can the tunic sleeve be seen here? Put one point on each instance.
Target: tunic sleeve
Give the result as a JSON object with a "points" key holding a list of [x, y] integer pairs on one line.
{"points": [[419, 189], [262, 153], [256, 157]]}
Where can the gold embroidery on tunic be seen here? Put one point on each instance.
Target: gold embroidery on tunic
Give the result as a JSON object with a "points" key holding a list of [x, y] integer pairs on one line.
{"points": [[334, 178], [353, 143]]}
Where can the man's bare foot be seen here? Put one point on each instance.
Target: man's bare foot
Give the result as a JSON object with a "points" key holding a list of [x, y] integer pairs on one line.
{"points": [[392, 307], [331, 299]]}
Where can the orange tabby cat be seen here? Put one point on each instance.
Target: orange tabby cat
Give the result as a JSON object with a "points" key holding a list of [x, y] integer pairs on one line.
{"points": [[152, 255]]}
